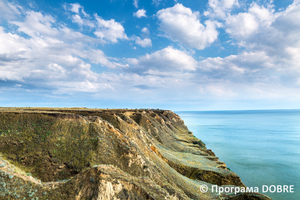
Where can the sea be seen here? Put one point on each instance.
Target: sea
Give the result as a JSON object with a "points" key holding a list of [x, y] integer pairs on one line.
{"points": [[261, 146]]}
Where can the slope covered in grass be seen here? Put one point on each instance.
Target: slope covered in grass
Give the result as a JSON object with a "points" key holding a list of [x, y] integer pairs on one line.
{"points": [[79, 153]]}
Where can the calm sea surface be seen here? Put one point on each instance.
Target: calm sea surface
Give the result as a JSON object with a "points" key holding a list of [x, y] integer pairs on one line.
{"points": [[262, 147]]}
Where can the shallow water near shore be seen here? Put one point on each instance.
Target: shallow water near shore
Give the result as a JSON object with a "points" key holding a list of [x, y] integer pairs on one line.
{"points": [[262, 147]]}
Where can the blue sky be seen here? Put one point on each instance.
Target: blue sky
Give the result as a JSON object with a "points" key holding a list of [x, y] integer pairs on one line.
{"points": [[168, 54]]}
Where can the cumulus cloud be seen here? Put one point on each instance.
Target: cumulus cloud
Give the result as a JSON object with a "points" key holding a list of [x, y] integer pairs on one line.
{"points": [[9, 10], [270, 58], [11, 43], [82, 22], [74, 7], [32, 62], [247, 23], [246, 67], [50, 58], [167, 59], [97, 56], [268, 31], [79, 16], [109, 30], [220, 8], [181, 24], [243, 24], [43, 52], [146, 42], [36, 23], [106, 30], [140, 13], [145, 30]]}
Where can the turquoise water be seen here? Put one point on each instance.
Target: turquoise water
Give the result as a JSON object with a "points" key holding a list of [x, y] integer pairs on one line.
{"points": [[262, 147]]}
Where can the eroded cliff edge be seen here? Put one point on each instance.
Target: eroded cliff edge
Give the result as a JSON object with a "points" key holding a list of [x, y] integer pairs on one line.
{"points": [[105, 154]]}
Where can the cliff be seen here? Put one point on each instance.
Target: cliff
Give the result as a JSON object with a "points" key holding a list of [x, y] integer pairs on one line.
{"points": [[79, 153]]}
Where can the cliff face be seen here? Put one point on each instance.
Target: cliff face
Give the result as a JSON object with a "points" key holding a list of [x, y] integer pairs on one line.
{"points": [[104, 154]]}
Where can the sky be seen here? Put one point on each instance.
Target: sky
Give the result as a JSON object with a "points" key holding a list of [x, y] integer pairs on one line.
{"points": [[166, 54]]}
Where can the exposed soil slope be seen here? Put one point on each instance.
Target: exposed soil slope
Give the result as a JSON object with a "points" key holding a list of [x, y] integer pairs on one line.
{"points": [[80, 153]]}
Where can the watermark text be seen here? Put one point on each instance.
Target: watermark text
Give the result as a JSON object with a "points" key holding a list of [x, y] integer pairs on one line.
{"points": [[235, 189]]}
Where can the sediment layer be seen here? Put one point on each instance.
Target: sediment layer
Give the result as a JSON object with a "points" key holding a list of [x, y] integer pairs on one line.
{"points": [[79, 153]]}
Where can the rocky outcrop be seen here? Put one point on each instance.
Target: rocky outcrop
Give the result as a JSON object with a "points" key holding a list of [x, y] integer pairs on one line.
{"points": [[101, 154]]}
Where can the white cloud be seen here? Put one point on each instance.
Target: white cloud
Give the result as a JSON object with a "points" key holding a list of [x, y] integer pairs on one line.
{"points": [[82, 22], [74, 7], [51, 58], [79, 15], [38, 59], [98, 57], [9, 10], [269, 65], [243, 24], [11, 43], [146, 42], [246, 67], [246, 24], [135, 3], [288, 19], [70, 35], [36, 23], [226, 4], [62, 60], [77, 19], [182, 25], [145, 30], [140, 13], [275, 33], [84, 13], [109, 30], [220, 8], [167, 59]]}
